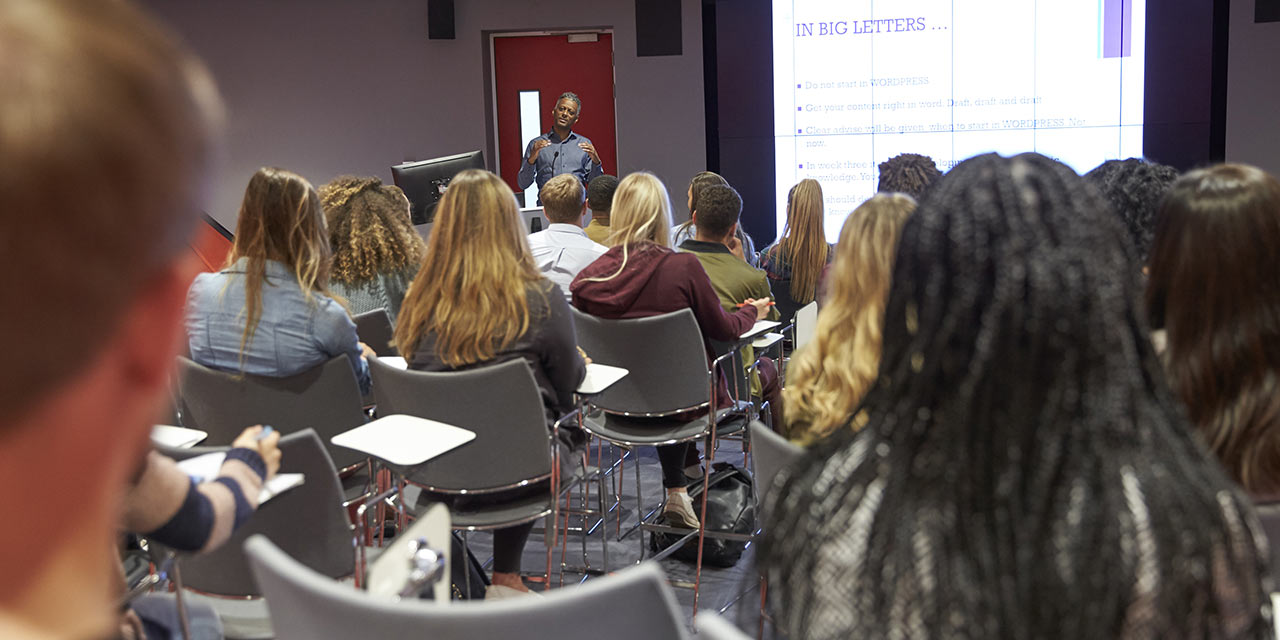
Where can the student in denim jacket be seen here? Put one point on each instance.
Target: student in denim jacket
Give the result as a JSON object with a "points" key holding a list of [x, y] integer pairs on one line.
{"points": [[268, 312]]}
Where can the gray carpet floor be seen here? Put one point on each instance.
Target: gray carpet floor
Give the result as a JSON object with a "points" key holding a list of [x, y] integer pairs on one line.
{"points": [[733, 592]]}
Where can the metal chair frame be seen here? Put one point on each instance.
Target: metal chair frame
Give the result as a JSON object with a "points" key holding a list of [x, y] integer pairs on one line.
{"points": [[708, 434]]}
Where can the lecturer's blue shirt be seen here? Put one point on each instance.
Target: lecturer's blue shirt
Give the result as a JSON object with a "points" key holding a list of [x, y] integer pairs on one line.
{"points": [[561, 156]]}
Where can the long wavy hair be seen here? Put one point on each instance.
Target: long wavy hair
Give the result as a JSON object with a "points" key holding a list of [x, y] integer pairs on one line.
{"points": [[280, 219], [473, 287], [828, 377], [804, 242], [370, 231], [1214, 287], [1024, 470], [641, 218]]}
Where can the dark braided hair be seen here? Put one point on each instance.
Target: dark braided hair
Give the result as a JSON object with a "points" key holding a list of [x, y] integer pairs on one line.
{"points": [[909, 173], [1134, 187], [1023, 470]]}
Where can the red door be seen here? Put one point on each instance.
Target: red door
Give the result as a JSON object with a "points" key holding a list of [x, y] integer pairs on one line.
{"points": [[552, 65]]}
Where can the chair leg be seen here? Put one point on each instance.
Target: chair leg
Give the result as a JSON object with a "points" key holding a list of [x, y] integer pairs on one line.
{"points": [[467, 561], [702, 526]]}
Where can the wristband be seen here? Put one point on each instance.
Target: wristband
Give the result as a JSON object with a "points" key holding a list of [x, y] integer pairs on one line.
{"points": [[243, 510], [251, 458]]}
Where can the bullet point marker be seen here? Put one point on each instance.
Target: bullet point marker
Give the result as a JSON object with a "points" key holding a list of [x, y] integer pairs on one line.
{"points": [[797, 86], [801, 166], [799, 130], [799, 108]]}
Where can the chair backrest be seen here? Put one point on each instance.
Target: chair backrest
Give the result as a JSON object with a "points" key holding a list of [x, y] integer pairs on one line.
{"points": [[770, 452], [713, 627], [390, 573], [664, 355], [499, 402], [374, 329], [325, 398], [632, 604], [308, 521], [806, 320]]}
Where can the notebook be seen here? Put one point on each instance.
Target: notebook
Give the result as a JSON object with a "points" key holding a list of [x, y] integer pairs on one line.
{"points": [[206, 467]]}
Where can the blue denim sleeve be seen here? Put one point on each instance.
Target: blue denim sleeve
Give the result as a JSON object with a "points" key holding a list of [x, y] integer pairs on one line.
{"points": [[527, 171], [336, 334]]}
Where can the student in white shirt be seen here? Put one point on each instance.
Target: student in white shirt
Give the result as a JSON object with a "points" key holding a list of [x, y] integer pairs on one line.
{"points": [[563, 248]]}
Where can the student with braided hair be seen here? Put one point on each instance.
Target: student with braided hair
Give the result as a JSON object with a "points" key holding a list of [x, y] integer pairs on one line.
{"points": [[1024, 470], [376, 251]]}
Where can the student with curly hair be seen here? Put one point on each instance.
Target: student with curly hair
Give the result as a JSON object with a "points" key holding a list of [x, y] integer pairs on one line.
{"points": [[269, 312], [1134, 187], [1024, 470], [909, 173], [376, 251], [1214, 288], [828, 377]]}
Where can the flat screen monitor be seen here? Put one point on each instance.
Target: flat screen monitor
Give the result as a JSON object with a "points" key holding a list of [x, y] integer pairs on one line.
{"points": [[424, 181]]}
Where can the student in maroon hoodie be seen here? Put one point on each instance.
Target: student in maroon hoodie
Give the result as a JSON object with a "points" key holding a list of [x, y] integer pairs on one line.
{"points": [[642, 276]]}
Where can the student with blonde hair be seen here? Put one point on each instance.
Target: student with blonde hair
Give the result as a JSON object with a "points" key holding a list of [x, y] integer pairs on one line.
{"points": [[642, 276], [268, 312], [486, 303], [795, 261], [828, 377], [563, 248], [376, 251]]}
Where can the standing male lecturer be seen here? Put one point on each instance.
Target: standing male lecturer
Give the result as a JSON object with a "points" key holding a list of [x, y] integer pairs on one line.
{"points": [[561, 150]]}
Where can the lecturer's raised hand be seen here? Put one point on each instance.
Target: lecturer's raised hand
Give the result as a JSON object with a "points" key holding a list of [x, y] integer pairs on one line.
{"points": [[538, 146], [591, 151]]}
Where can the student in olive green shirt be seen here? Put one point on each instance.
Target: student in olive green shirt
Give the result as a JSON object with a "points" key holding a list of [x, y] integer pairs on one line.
{"points": [[716, 245], [600, 199]]}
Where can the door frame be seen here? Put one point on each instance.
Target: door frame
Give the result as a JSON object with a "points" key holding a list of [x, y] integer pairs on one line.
{"points": [[491, 83]]}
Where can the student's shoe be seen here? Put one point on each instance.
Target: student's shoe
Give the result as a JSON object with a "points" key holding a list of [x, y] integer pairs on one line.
{"points": [[679, 511], [503, 592]]}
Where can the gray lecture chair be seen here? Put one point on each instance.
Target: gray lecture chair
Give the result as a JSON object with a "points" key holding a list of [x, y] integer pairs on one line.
{"points": [[770, 452], [668, 376], [713, 627], [512, 449], [307, 521], [374, 329], [633, 604], [325, 398]]}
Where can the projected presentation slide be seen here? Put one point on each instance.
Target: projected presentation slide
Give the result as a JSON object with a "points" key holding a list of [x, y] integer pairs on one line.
{"points": [[857, 82]]}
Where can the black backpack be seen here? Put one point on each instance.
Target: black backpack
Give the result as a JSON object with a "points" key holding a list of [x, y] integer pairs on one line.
{"points": [[732, 509]]}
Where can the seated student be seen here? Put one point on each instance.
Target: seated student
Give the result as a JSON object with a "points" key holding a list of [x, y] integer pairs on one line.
{"points": [[796, 260], [717, 248], [600, 201], [486, 303], [688, 229], [1134, 187], [828, 377], [1213, 288], [641, 276], [376, 251], [167, 506], [909, 173], [1023, 470], [562, 249], [109, 127], [268, 312]]}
